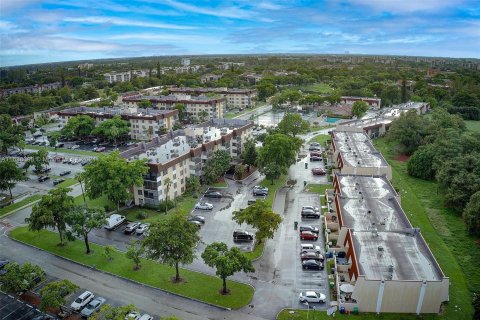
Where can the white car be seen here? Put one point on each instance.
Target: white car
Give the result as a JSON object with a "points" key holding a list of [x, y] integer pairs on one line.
{"points": [[312, 296], [75, 147], [146, 317], [92, 307], [133, 315], [260, 188], [142, 228], [312, 208], [204, 206], [82, 301]]}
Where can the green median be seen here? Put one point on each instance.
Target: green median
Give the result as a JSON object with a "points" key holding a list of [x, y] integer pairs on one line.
{"points": [[10, 208], [63, 150], [196, 285]]}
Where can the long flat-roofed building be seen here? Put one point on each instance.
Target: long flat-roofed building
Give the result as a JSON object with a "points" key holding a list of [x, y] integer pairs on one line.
{"points": [[144, 123], [354, 153], [379, 252], [183, 153], [234, 98]]}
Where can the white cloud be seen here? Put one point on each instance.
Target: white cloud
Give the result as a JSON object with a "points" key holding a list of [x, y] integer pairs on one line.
{"points": [[126, 22], [269, 6], [178, 38], [9, 27], [12, 5], [405, 6], [224, 12], [32, 43]]}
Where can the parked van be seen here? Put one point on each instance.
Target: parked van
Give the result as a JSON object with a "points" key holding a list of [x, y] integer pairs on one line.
{"points": [[114, 221]]}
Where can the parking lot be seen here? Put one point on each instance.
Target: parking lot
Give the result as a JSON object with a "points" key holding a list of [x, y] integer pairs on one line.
{"points": [[14, 309]]}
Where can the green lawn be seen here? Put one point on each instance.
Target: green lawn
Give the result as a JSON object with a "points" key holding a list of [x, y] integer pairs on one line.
{"points": [[98, 203], [320, 189], [6, 210], [444, 231], [473, 125], [319, 88], [196, 285], [277, 184], [185, 204], [63, 150], [322, 315], [68, 183], [321, 138]]}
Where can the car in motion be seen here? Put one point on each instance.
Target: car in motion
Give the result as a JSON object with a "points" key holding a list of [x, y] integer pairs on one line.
{"points": [[312, 265], [307, 235], [82, 301], [212, 194], [92, 307], [132, 226], [312, 296], [319, 172], [204, 206]]}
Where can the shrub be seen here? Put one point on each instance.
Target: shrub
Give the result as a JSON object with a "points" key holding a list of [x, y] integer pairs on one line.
{"points": [[142, 215], [166, 203]]}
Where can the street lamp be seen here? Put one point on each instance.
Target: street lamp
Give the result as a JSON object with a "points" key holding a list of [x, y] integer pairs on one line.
{"points": [[308, 305]]}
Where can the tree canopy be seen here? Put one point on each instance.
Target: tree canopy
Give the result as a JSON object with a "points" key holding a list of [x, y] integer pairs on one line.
{"points": [[113, 129], [22, 278], [278, 153], [10, 174], [293, 124], [53, 294], [83, 220], [79, 126], [359, 108], [216, 166], [471, 214]]}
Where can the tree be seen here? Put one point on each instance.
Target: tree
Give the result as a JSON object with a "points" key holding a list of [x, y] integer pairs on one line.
{"points": [[408, 130], [279, 151], [10, 174], [51, 212], [53, 139], [420, 164], [79, 126], [216, 166], [250, 154], [172, 241], [145, 104], [53, 294], [181, 110], [293, 124], [112, 176], [202, 115], [10, 135], [108, 252], [476, 307], [226, 261], [114, 313], [239, 170], [23, 278], [404, 93], [38, 160], [273, 171], [265, 89], [134, 253], [261, 217], [192, 184], [471, 214], [359, 108], [112, 129], [83, 220]]}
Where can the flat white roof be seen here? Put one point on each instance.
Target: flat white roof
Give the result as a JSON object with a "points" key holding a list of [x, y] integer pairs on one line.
{"points": [[357, 150]]}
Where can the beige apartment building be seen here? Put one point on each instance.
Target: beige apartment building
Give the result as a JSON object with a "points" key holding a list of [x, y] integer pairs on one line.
{"points": [[183, 153], [117, 77], [194, 106], [145, 124], [234, 98], [382, 262], [354, 153]]}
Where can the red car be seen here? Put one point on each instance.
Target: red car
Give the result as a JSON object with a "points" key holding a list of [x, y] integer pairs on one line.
{"points": [[319, 172], [315, 154], [308, 235], [311, 256]]}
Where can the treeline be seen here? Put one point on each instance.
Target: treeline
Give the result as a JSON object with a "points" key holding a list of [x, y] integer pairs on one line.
{"points": [[442, 149]]}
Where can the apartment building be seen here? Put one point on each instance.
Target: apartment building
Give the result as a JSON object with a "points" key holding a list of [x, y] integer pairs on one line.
{"points": [[372, 102], [382, 262], [117, 77], [234, 98], [145, 124], [353, 153], [184, 153], [210, 77], [194, 106], [38, 88]]}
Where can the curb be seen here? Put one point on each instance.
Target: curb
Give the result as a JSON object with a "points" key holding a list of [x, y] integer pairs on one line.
{"points": [[130, 280], [21, 208]]}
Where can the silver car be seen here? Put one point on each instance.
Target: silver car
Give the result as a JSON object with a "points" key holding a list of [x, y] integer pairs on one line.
{"points": [[92, 307]]}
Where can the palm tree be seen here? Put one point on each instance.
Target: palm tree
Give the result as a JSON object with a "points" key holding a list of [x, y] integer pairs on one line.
{"points": [[168, 183], [79, 178]]}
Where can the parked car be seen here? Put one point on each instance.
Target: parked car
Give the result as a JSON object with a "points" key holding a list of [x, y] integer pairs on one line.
{"points": [[132, 315], [260, 191], [59, 145], [312, 265], [66, 161], [75, 147], [84, 162], [308, 247], [314, 148], [74, 161], [132, 226], [198, 218], [196, 222], [315, 144], [92, 307], [311, 256], [100, 149], [64, 173], [242, 235], [43, 178], [212, 194], [251, 201], [315, 158], [310, 214], [58, 181], [114, 221], [3, 263], [307, 235], [82, 301], [146, 317], [310, 208], [260, 188], [315, 154], [319, 172], [309, 228], [204, 206], [142, 228], [312, 296]]}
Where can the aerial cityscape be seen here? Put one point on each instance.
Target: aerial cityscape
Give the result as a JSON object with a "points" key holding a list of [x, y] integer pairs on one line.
{"points": [[279, 160]]}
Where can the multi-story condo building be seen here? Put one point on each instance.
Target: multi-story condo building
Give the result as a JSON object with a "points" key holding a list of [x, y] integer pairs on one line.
{"points": [[382, 262], [38, 88], [210, 77], [234, 98], [372, 102], [195, 107], [183, 153], [145, 124], [117, 76]]}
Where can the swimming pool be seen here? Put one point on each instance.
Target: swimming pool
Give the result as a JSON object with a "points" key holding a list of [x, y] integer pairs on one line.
{"points": [[331, 120]]}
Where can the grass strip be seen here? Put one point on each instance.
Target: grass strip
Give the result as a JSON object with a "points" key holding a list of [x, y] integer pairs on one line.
{"points": [[63, 150], [196, 285], [8, 209]]}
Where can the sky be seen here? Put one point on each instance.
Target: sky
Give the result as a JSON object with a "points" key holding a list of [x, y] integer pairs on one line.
{"points": [[33, 31]]}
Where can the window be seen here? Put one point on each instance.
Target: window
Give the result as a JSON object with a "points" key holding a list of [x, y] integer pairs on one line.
{"points": [[139, 192]]}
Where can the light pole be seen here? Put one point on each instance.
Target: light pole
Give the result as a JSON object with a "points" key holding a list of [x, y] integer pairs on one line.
{"points": [[308, 305]]}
